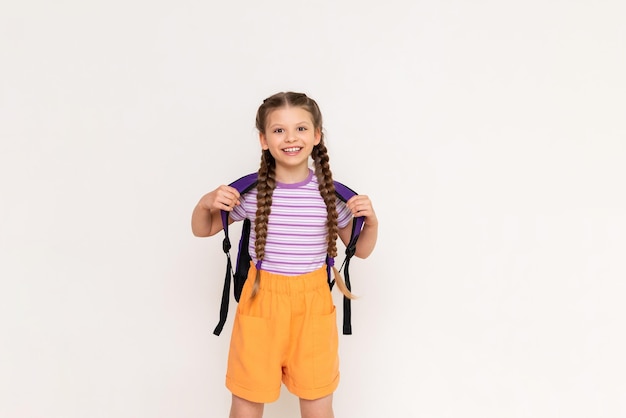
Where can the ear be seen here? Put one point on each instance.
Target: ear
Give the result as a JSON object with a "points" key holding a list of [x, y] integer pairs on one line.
{"points": [[318, 136], [263, 141]]}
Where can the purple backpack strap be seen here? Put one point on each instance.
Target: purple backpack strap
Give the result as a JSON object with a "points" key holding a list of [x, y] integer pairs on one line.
{"points": [[243, 185]]}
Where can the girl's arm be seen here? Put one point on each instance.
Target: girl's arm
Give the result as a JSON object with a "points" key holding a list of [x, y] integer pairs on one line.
{"points": [[206, 220], [360, 205]]}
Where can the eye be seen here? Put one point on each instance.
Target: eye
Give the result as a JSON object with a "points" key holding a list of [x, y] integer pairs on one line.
{"points": [[302, 129], [279, 130]]}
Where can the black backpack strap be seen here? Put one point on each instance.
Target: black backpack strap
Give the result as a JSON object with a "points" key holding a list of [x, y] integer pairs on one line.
{"points": [[229, 267], [243, 260], [344, 193], [243, 185]]}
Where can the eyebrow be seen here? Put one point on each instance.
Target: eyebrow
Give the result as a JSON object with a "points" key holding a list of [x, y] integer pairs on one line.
{"points": [[304, 122]]}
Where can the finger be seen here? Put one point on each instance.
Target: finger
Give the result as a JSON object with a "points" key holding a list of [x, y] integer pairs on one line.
{"points": [[356, 208], [230, 201], [234, 193], [227, 206], [225, 197], [359, 200], [224, 201]]}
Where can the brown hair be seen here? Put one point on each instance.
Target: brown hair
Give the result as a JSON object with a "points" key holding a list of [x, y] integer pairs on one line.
{"points": [[267, 180]]}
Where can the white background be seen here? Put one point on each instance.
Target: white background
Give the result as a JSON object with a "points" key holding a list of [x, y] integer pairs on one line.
{"points": [[490, 136]]}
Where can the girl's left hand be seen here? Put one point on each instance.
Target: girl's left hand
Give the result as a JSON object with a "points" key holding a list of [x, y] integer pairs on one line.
{"points": [[360, 205]]}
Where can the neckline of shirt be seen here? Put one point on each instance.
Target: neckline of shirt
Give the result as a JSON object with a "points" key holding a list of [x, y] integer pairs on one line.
{"points": [[296, 185]]}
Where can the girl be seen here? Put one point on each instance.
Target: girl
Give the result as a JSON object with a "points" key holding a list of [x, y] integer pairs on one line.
{"points": [[285, 326]]}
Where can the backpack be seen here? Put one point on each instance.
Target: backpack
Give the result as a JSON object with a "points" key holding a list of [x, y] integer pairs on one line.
{"points": [[244, 185]]}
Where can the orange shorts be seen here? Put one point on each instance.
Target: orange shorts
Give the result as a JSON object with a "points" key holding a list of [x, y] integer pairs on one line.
{"points": [[287, 333]]}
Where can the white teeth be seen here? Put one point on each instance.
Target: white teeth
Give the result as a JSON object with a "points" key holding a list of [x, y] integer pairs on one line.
{"points": [[292, 149]]}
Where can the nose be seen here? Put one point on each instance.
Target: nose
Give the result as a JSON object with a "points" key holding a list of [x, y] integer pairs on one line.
{"points": [[292, 137]]}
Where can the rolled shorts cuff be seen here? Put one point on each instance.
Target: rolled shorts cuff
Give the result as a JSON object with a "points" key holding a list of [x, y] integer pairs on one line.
{"points": [[312, 394], [259, 396]]}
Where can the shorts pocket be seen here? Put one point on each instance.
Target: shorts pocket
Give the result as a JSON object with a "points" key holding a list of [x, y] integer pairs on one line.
{"points": [[250, 358], [325, 348]]}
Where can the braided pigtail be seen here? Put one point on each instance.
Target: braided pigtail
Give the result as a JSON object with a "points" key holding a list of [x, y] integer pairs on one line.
{"points": [[267, 181], [265, 188], [327, 191]]}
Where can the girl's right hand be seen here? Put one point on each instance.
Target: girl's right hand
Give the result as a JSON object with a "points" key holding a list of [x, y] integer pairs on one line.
{"points": [[222, 198]]}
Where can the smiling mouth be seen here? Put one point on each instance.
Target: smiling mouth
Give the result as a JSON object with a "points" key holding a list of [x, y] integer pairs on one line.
{"points": [[293, 149]]}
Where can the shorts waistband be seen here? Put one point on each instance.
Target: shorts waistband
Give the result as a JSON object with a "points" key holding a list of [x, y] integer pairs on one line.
{"points": [[290, 284]]}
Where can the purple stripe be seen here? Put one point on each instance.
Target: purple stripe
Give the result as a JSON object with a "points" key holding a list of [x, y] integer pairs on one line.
{"points": [[295, 196], [291, 249], [295, 215], [300, 233], [286, 263], [305, 223], [290, 263]]}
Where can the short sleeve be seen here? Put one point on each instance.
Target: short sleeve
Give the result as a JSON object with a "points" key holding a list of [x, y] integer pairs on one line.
{"points": [[343, 214], [239, 212]]}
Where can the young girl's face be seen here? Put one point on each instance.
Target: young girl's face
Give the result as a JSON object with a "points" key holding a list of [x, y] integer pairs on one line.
{"points": [[290, 136]]}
